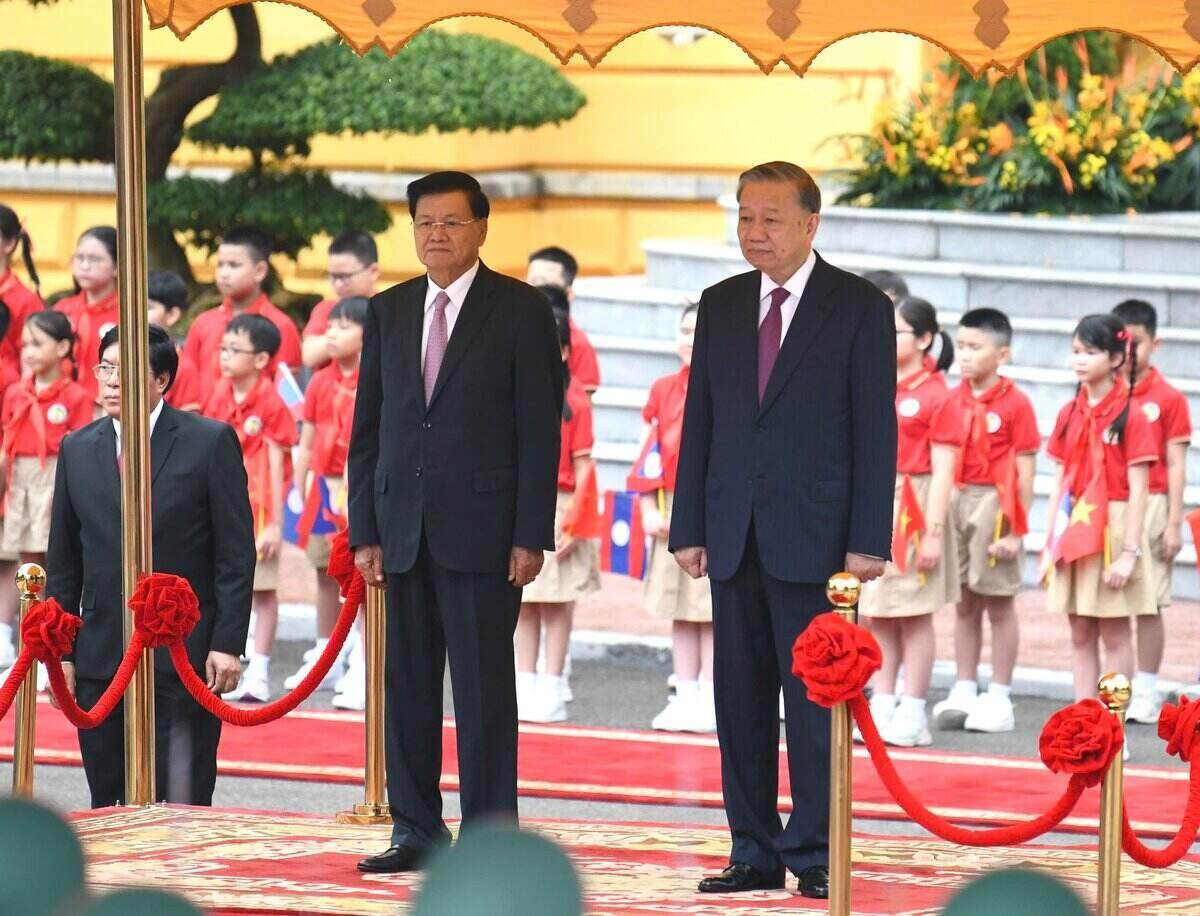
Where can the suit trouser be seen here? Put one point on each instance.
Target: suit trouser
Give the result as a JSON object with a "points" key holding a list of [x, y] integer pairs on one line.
{"points": [[185, 746], [434, 612], [756, 619]]}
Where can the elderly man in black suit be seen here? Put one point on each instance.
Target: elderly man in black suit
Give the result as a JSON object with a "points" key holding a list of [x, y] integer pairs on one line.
{"points": [[786, 473], [452, 480]]}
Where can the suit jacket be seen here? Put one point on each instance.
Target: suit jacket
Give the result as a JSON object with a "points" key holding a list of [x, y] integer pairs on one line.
{"points": [[477, 469], [814, 466], [203, 531]]}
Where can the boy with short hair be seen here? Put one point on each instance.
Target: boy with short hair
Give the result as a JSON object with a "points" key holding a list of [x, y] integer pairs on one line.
{"points": [[166, 301], [890, 283], [324, 443], [1165, 407], [353, 272], [242, 268], [554, 266], [246, 399], [1000, 445]]}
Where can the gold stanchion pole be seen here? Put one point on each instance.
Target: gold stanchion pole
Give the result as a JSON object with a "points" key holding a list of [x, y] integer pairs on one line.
{"points": [[842, 590], [374, 809], [1115, 691], [130, 129], [31, 580]]}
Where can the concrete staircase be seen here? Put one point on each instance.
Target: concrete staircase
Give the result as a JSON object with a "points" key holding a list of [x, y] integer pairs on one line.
{"points": [[1045, 273]]}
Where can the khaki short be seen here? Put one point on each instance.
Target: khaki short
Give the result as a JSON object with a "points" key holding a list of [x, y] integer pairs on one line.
{"points": [[28, 502], [912, 593], [1157, 512], [1077, 588], [266, 574], [973, 511], [568, 579], [670, 593]]}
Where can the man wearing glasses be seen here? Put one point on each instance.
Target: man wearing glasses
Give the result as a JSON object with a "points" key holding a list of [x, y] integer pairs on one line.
{"points": [[452, 476], [202, 531]]}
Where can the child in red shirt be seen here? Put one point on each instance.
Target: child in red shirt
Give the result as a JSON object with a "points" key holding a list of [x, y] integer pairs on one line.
{"points": [[1000, 441], [246, 399], [242, 267], [166, 301], [95, 307], [20, 300], [324, 444], [923, 575], [353, 272], [36, 414], [1104, 448], [1166, 410], [570, 573], [556, 267]]}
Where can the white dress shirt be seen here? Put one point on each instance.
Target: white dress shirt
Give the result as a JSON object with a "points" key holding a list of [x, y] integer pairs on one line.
{"points": [[457, 291], [154, 415], [795, 287]]}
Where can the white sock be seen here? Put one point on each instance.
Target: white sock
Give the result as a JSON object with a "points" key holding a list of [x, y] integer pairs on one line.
{"points": [[259, 665], [1145, 682], [526, 678], [687, 690], [1000, 690], [971, 687], [883, 699], [913, 704]]}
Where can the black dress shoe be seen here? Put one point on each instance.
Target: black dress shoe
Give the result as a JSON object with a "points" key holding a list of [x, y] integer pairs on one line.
{"points": [[394, 860], [738, 877], [814, 882]]}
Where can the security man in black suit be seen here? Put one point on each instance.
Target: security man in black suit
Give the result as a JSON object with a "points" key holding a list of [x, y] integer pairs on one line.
{"points": [[786, 475], [452, 478], [203, 531]]}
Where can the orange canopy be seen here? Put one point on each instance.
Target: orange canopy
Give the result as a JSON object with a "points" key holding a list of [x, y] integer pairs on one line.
{"points": [[979, 32]]}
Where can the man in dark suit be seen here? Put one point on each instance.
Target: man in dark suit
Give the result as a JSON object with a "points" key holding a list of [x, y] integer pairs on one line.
{"points": [[452, 477], [786, 472], [202, 531]]}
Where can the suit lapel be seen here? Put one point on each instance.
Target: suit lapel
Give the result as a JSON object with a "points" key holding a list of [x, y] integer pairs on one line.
{"points": [[471, 318], [744, 338], [162, 441], [412, 326], [811, 314], [108, 481]]}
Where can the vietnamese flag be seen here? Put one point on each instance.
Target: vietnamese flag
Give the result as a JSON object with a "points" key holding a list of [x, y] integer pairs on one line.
{"points": [[1193, 520], [1009, 490], [583, 519], [1087, 526], [910, 520]]}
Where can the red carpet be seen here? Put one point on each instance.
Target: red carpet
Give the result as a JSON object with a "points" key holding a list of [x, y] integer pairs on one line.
{"points": [[566, 761], [239, 862]]}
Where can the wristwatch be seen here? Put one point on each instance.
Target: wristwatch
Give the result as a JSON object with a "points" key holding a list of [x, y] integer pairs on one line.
{"points": [[1136, 551]]}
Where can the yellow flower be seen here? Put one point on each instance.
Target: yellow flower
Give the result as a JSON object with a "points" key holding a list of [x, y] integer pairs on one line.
{"points": [[1092, 94], [1091, 166], [1190, 88], [1136, 105], [1009, 179]]}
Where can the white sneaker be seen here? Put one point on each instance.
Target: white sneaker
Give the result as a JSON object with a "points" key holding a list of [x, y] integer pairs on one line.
{"points": [[883, 708], [354, 681], [1191, 691], [564, 689], [681, 711], [336, 671], [1144, 708], [354, 697], [953, 711], [546, 703], [991, 713], [252, 688], [907, 727], [526, 690], [354, 657]]}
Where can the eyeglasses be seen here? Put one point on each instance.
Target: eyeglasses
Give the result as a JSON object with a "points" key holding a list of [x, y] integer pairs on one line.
{"points": [[345, 278], [90, 260], [104, 371], [425, 226], [235, 351]]}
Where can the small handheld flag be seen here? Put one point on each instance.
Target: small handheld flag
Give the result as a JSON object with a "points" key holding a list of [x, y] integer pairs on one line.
{"points": [[305, 517], [647, 473], [623, 549], [910, 522], [1193, 520], [584, 519], [1086, 523], [289, 391]]}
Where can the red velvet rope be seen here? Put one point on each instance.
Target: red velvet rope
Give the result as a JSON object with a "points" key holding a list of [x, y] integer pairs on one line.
{"points": [[1010, 835], [236, 715], [1178, 847], [12, 683], [103, 707]]}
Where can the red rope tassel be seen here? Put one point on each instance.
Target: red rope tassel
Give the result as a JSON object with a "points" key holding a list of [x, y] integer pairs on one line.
{"points": [[12, 683], [1178, 847], [103, 707]]}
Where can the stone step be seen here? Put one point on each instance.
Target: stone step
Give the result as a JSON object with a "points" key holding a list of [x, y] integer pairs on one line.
{"points": [[1037, 292], [1109, 243], [633, 362]]}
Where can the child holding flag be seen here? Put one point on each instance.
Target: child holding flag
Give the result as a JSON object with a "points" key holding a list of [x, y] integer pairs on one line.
{"points": [[670, 592], [246, 399], [922, 577], [572, 571], [993, 491], [1166, 410], [1100, 573]]}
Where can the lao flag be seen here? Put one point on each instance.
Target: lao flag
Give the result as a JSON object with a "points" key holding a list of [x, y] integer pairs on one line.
{"points": [[295, 520], [647, 473], [1087, 524], [289, 391], [910, 521], [623, 549]]}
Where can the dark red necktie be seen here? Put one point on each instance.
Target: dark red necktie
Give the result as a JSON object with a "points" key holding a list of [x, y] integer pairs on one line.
{"points": [[770, 334]]}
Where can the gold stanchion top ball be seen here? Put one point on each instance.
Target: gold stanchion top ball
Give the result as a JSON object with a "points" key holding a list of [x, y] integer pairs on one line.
{"points": [[1115, 691], [843, 589], [31, 579]]}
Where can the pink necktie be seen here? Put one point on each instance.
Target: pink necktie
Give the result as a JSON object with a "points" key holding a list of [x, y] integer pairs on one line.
{"points": [[435, 347], [770, 333]]}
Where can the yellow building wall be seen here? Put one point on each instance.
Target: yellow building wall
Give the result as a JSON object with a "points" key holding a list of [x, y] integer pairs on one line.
{"points": [[652, 106]]}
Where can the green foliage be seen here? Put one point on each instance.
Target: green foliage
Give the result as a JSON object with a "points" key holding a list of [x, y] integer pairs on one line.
{"points": [[51, 110], [438, 81], [290, 206]]}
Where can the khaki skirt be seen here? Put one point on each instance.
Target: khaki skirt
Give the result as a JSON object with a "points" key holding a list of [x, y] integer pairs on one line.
{"points": [[1157, 512], [28, 502], [569, 578], [670, 593], [912, 593], [973, 511], [1076, 588]]}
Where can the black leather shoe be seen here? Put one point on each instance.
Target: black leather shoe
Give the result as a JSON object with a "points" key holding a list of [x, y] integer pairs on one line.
{"points": [[395, 859], [814, 882], [738, 877]]}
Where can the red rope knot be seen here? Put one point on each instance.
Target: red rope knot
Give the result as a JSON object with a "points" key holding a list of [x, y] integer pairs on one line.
{"points": [[1177, 726], [165, 609], [1081, 739], [341, 561], [835, 659], [47, 631]]}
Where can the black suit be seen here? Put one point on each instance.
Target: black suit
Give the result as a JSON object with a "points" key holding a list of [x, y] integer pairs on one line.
{"points": [[447, 491], [203, 532], [778, 493]]}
